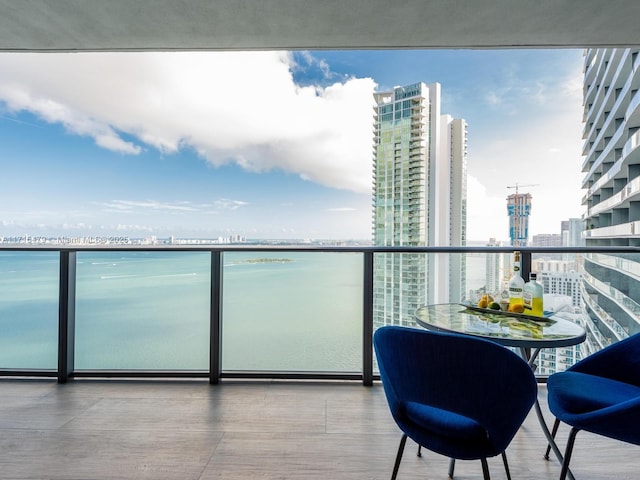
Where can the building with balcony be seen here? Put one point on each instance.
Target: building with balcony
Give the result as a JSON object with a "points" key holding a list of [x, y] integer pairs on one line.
{"points": [[419, 199], [612, 200]]}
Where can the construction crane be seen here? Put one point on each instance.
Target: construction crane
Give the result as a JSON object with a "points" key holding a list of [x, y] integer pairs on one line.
{"points": [[518, 214], [516, 186]]}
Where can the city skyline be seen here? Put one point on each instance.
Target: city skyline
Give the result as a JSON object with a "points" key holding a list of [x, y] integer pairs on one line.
{"points": [[200, 145]]}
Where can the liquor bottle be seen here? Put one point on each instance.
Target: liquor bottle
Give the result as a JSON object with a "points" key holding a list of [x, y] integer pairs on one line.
{"points": [[532, 296], [516, 286]]}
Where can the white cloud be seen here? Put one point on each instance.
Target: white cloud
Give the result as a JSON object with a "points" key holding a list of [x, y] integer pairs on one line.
{"points": [[241, 107], [533, 139], [130, 206], [71, 226], [21, 97], [245, 107], [486, 212], [228, 204], [313, 62], [492, 98], [130, 228], [523, 156]]}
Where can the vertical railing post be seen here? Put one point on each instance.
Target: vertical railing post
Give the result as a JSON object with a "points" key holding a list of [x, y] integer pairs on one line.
{"points": [[525, 267], [66, 315], [215, 309], [367, 320]]}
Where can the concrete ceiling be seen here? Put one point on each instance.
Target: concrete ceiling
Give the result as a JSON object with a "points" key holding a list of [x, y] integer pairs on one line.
{"points": [[120, 25]]}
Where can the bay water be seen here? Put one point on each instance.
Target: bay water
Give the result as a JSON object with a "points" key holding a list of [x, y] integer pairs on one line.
{"points": [[284, 311]]}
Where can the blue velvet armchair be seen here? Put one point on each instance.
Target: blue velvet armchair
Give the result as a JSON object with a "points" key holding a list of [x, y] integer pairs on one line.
{"points": [[459, 396], [600, 394]]}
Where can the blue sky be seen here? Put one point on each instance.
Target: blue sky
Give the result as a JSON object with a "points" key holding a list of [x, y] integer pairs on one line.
{"points": [[268, 144]]}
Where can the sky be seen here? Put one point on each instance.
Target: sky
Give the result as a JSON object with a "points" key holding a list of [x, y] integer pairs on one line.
{"points": [[270, 144]]}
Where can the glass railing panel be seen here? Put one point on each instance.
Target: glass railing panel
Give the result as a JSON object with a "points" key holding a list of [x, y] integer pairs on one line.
{"points": [[404, 282], [559, 274], [139, 310], [282, 311], [465, 277], [292, 311], [561, 278], [29, 283], [486, 272], [489, 272]]}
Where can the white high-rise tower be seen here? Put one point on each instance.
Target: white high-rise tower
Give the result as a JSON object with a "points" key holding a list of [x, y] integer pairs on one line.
{"points": [[419, 199]]}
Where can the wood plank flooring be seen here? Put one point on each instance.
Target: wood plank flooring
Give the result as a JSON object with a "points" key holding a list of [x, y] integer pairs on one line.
{"points": [[118, 429]]}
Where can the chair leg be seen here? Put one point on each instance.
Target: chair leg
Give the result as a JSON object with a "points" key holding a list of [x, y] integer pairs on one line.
{"points": [[396, 466], [567, 454], [419, 450], [556, 424], [452, 465], [506, 465], [485, 469]]}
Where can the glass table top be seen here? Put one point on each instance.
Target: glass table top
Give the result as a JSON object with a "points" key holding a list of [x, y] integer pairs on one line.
{"points": [[509, 330]]}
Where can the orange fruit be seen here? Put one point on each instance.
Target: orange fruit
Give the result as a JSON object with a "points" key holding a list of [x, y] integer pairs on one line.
{"points": [[516, 308], [483, 303]]}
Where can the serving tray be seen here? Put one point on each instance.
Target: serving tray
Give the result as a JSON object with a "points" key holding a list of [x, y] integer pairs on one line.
{"points": [[544, 318]]}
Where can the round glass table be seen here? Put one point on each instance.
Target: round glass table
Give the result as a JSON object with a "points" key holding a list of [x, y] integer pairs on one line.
{"points": [[509, 330], [529, 335]]}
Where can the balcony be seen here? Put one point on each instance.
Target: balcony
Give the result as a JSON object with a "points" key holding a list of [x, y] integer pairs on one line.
{"points": [[242, 430], [628, 193], [625, 230], [273, 411], [614, 142], [93, 429]]}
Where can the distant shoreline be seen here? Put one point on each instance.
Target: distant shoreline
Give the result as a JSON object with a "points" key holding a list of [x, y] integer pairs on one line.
{"points": [[268, 260]]}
